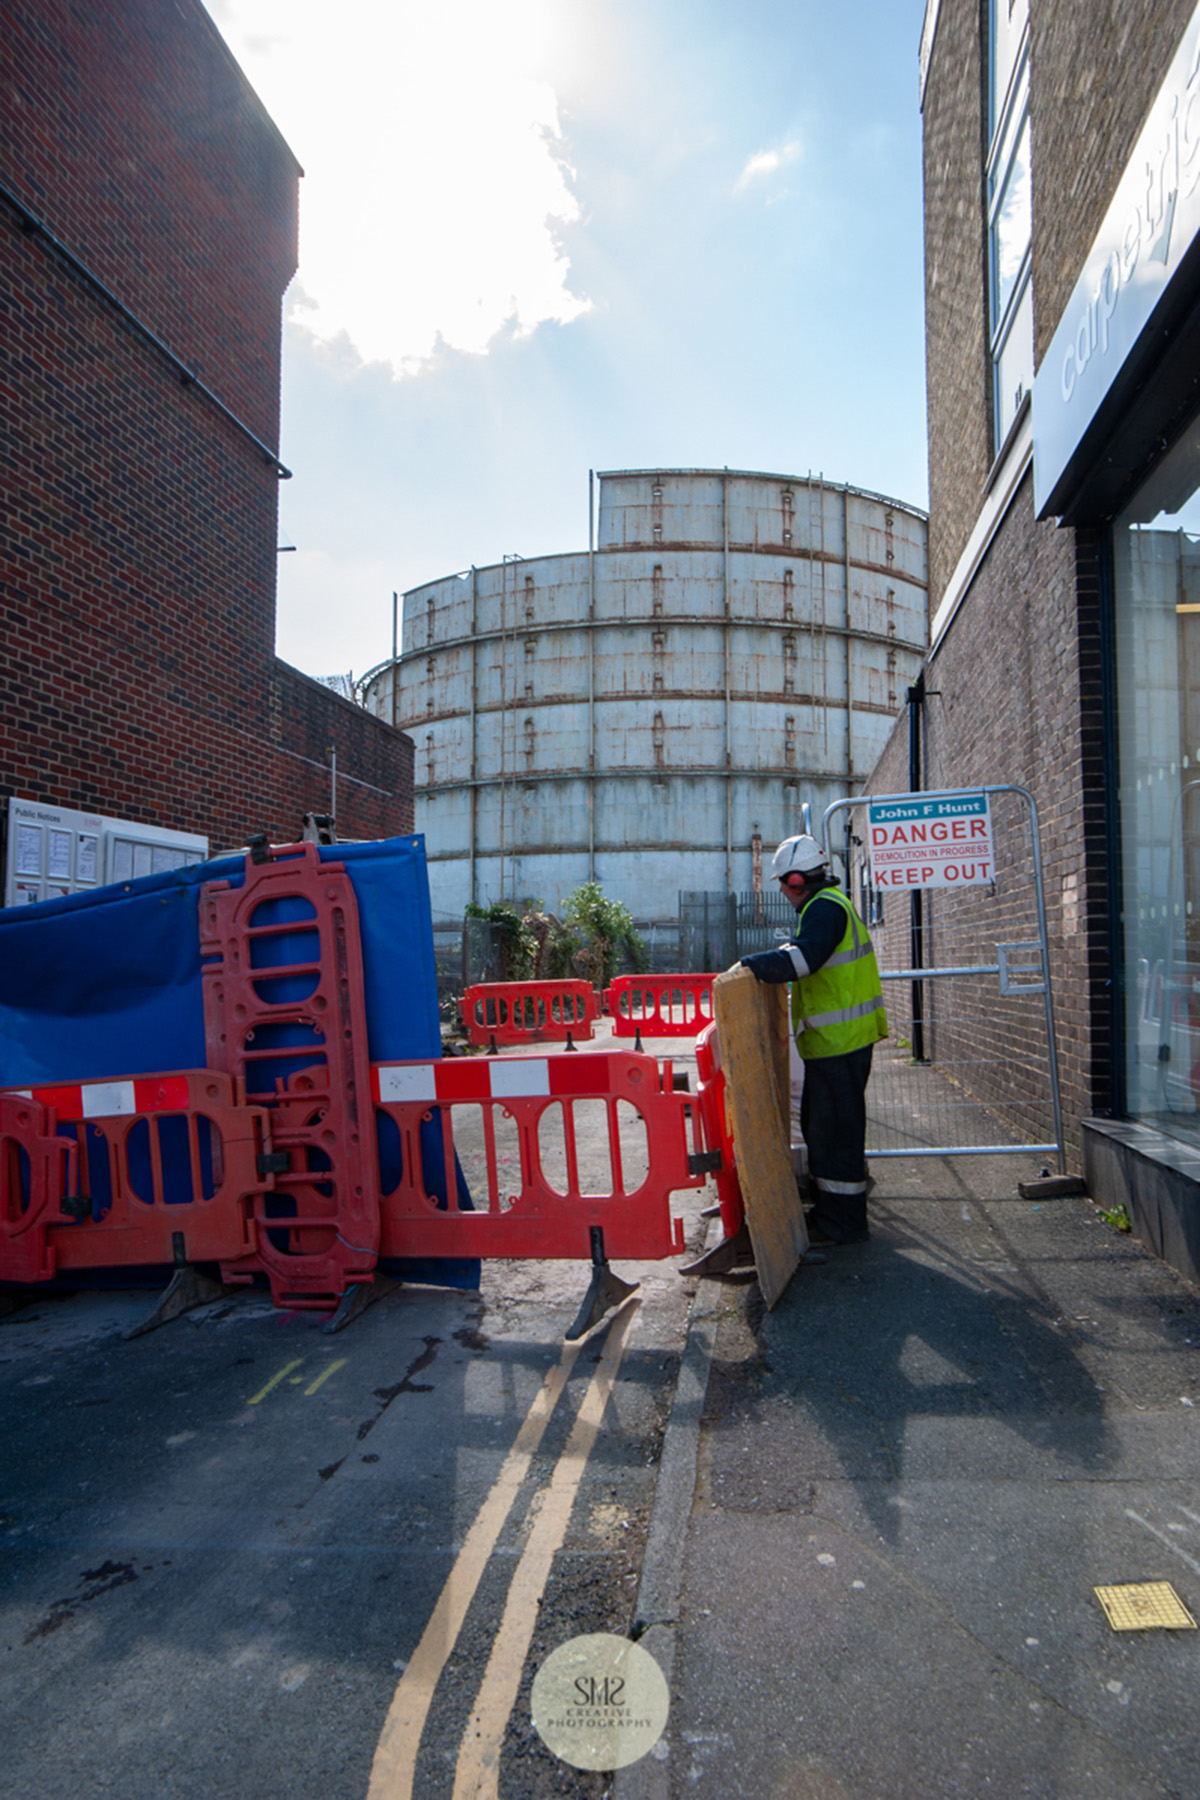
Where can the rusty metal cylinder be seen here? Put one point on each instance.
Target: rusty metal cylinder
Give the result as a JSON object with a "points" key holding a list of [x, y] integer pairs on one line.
{"points": [[734, 645]]}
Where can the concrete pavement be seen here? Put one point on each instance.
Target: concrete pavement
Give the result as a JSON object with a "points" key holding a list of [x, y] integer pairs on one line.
{"points": [[908, 1479]]}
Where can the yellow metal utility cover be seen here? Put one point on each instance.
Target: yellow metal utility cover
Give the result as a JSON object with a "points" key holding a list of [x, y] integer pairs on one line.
{"points": [[1144, 1606]]}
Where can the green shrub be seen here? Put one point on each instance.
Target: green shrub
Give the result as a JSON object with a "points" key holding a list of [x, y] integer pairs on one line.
{"points": [[599, 935]]}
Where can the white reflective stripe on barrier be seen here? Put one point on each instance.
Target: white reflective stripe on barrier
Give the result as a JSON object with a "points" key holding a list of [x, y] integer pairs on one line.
{"points": [[526, 1075], [459, 1080], [111, 1099], [408, 1081], [107, 1099]]}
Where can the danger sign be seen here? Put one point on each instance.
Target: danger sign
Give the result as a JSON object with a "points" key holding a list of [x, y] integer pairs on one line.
{"points": [[944, 841]]}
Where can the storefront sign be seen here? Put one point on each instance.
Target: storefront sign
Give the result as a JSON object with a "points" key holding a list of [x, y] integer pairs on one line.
{"points": [[943, 841], [1153, 219]]}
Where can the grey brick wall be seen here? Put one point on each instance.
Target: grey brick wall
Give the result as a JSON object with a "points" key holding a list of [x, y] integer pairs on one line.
{"points": [[1018, 678], [1095, 67], [956, 366], [1016, 697]]}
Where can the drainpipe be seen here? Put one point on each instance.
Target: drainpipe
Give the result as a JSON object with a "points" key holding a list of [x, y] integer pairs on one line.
{"points": [[846, 573], [473, 801], [591, 747], [916, 699], [728, 722], [395, 654]]}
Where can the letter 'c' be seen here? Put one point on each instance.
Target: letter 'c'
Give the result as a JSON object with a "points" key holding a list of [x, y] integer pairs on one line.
{"points": [[1068, 375]]}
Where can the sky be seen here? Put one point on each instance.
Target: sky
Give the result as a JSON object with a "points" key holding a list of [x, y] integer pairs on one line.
{"points": [[539, 237]]}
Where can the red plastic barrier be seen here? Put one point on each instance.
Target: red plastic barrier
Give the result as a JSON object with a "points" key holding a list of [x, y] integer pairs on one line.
{"points": [[660, 1005], [36, 1169], [115, 1172], [520, 1012], [270, 1159], [513, 1126], [716, 1129], [175, 1167], [285, 1011]]}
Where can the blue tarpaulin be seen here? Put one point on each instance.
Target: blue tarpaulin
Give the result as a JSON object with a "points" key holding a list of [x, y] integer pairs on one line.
{"points": [[108, 983]]}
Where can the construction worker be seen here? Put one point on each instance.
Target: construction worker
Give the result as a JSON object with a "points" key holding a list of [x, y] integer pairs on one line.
{"points": [[837, 1018]]}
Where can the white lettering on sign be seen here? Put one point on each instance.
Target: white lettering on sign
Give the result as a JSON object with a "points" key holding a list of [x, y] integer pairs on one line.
{"points": [[942, 842]]}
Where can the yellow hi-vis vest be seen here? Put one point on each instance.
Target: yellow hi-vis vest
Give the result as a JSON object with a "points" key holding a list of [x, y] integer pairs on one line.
{"points": [[839, 1007]]}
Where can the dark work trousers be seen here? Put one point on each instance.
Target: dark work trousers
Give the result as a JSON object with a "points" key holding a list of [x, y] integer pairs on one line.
{"points": [[833, 1118]]}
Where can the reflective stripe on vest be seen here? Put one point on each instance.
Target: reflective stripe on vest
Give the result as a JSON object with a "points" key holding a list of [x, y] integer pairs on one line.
{"points": [[839, 1007]]}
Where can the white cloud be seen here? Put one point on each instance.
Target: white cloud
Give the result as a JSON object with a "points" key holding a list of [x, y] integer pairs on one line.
{"points": [[435, 182], [767, 162]]}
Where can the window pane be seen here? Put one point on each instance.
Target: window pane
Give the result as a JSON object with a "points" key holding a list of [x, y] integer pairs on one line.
{"points": [[1009, 18], [1012, 225], [1014, 365], [1157, 561]]}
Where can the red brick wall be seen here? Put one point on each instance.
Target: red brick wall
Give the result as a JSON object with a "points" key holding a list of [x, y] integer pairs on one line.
{"points": [[131, 132], [137, 524]]}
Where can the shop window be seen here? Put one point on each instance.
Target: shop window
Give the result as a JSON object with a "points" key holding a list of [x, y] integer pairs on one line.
{"points": [[1010, 214], [1156, 556]]}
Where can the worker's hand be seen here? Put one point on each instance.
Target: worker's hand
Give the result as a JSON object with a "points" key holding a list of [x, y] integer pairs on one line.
{"points": [[770, 965]]}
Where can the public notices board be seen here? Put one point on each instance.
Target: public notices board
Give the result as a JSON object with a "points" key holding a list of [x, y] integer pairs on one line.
{"points": [[54, 851], [942, 841]]}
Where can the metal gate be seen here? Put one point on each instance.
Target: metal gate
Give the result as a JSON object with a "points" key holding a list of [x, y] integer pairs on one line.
{"points": [[970, 1067]]}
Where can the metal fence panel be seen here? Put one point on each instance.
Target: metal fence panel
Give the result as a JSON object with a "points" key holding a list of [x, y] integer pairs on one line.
{"points": [[716, 929], [707, 931], [970, 1067]]}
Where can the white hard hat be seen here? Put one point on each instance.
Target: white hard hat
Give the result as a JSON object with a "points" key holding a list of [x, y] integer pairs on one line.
{"points": [[799, 856]]}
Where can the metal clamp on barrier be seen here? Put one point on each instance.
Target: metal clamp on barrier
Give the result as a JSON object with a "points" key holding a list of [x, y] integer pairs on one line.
{"points": [[1022, 970]]}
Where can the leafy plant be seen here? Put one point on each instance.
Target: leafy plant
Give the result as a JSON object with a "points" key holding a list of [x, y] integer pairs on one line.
{"points": [[1116, 1216], [599, 935]]}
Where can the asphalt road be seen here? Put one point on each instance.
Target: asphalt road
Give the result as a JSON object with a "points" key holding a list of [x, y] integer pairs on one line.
{"points": [[222, 1544]]}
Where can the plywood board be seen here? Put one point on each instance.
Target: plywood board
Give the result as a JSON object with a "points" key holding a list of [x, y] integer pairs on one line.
{"points": [[752, 1026]]}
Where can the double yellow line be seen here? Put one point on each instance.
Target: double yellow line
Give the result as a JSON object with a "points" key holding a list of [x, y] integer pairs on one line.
{"points": [[477, 1774]]}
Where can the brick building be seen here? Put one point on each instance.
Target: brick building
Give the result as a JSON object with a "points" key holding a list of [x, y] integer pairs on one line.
{"points": [[1062, 248], [147, 233]]}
